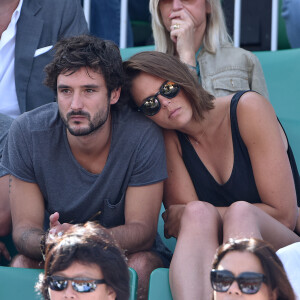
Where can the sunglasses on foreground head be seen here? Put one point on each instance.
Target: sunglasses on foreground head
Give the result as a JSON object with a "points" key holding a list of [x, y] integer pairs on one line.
{"points": [[80, 285], [151, 104], [248, 282]]}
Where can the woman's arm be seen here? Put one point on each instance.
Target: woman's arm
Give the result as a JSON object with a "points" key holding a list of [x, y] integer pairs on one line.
{"points": [[178, 188], [267, 147]]}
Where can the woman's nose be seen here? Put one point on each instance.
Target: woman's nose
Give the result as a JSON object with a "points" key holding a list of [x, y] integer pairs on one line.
{"points": [[234, 289], [69, 293], [177, 5], [164, 101]]}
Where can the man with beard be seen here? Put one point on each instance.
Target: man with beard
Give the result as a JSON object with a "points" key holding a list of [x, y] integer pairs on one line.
{"points": [[84, 159]]}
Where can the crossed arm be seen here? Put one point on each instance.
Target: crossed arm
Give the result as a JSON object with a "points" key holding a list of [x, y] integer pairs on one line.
{"points": [[138, 233]]}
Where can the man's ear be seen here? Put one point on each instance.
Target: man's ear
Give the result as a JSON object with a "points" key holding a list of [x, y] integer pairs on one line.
{"points": [[115, 95]]}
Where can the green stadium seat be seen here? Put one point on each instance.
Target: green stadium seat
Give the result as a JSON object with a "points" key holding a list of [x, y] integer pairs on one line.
{"points": [[171, 242], [19, 283], [159, 288], [133, 284], [282, 72], [126, 53]]}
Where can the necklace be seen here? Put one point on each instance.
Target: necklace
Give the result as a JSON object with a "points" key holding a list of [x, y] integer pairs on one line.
{"points": [[189, 138], [197, 141]]}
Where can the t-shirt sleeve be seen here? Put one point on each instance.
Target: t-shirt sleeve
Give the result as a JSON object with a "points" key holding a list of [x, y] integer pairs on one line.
{"points": [[17, 153], [150, 164]]}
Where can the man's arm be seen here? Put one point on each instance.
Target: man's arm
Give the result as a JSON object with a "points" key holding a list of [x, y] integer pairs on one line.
{"points": [[5, 217], [142, 206], [27, 210]]}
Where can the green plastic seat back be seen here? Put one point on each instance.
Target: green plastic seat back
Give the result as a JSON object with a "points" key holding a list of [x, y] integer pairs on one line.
{"points": [[171, 242], [126, 53], [133, 284], [281, 69], [159, 287], [19, 283], [282, 72]]}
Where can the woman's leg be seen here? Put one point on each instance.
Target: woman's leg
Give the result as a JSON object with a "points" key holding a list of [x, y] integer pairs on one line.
{"points": [[243, 219], [195, 248]]}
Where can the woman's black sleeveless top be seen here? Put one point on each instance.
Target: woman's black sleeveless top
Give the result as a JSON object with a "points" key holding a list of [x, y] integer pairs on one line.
{"points": [[241, 184]]}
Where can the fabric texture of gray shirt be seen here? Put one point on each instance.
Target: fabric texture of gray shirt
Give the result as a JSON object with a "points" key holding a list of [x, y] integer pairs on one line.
{"points": [[5, 122], [38, 151]]}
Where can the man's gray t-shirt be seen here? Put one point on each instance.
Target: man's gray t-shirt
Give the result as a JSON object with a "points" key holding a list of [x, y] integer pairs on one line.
{"points": [[38, 151], [5, 122]]}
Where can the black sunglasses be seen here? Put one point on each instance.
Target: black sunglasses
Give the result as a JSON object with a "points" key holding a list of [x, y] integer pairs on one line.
{"points": [[80, 285], [248, 282], [151, 104]]}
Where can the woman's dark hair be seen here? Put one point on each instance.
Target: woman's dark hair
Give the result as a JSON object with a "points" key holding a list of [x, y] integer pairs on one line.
{"points": [[87, 244], [270, 262], [86, 51], [171, 68]]}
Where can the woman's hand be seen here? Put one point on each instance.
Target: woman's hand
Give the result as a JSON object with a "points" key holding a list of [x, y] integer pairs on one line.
{"points": [[182, 31], [172, 217]]}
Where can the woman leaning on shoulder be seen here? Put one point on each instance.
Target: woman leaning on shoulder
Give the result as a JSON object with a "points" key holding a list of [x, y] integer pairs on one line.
{"points": [[231, 170]]}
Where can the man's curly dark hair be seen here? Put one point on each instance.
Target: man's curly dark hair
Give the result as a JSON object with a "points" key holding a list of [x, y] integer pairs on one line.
{"points": [[90, 52]]}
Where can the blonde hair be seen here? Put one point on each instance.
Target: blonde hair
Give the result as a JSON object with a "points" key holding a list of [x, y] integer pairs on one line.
{"points": [[215, 34]]}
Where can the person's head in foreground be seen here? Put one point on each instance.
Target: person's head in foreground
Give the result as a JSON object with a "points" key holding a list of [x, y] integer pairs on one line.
{"points": [[159, 83], [249, 269], [84, 263]]}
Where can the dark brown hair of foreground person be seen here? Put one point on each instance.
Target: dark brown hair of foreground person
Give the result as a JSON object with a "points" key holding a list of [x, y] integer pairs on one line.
{"points": [[87, 244], [270, 262], [170, 68]]}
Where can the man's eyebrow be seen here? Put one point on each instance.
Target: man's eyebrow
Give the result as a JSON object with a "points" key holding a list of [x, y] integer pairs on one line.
{"points": [[62, 86], [89, 86]]}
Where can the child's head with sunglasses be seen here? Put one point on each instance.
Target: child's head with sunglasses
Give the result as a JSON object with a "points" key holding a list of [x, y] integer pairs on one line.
{"points": [[84, 263], [249, 269]]}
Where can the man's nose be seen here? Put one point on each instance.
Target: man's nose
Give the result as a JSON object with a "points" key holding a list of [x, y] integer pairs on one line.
{"points": [[77, 102]]}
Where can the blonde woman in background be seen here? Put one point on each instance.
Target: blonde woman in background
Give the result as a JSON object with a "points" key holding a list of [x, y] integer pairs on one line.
{"points": [[195, 31]]}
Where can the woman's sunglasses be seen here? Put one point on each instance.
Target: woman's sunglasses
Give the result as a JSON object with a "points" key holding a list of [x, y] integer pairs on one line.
{"points": [[248, 282], [80, 285], [151, 104]]}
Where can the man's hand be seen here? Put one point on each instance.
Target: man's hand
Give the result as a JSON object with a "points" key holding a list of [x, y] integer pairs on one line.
{"points": [[172, 217], [56, 228], [4, 251]]}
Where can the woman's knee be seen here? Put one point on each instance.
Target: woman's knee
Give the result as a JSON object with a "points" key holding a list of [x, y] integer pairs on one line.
{"points": [[198, 213], [239, 211]]}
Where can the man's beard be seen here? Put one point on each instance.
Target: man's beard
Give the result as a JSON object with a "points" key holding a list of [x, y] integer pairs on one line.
{"points": [[98, 121]]}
